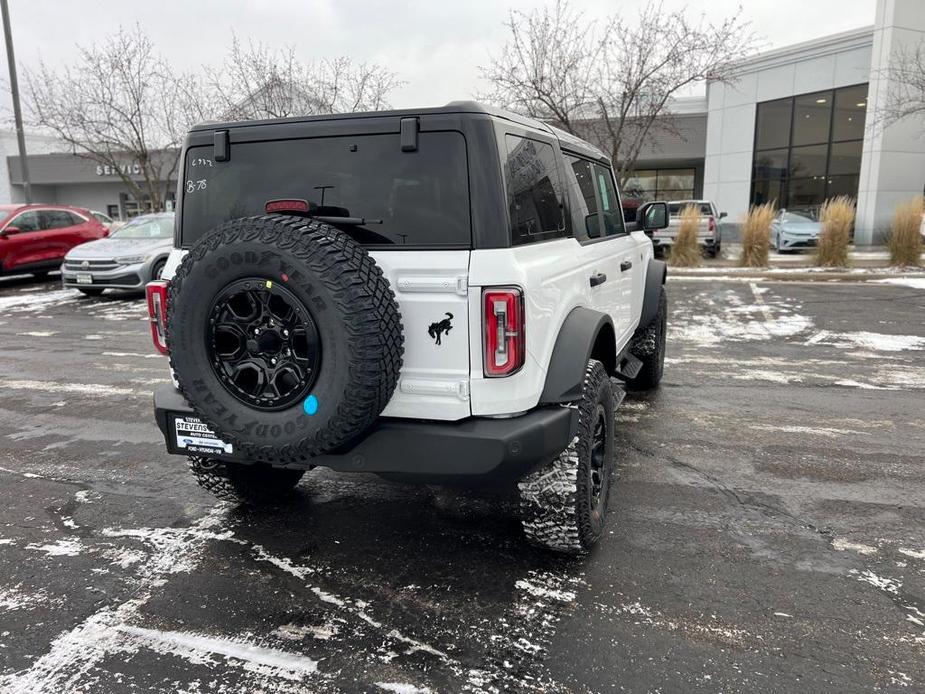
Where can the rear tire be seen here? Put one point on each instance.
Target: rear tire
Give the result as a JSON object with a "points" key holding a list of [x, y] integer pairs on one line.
{"points": [[90, 292], [563, 505], [158, 269], [244, 484], [648, 345]]}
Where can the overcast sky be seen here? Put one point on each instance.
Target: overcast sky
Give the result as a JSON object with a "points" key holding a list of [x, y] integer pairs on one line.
{"points": [[436, 47]]}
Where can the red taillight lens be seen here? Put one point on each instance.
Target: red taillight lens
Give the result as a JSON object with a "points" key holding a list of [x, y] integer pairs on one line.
{"points": [[504, 331], [157, 313], [712, 226]]}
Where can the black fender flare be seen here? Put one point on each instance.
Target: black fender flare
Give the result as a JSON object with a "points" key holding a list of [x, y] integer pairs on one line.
{"points": [[656, 273], [574, 347]]}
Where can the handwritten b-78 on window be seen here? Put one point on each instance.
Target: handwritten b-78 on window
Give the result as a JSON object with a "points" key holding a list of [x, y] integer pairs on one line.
{"points": [[193, 186]]}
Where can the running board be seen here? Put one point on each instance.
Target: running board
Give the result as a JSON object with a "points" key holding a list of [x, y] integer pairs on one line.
{"points": [[629, 367]]}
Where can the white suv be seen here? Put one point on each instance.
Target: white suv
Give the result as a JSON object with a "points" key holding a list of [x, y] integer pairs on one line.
{"points": [[439, 295]]}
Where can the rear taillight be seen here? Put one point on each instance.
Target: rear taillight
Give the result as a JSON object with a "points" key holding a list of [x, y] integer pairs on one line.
{"points": [[712, 226], [504, 330], [157, 313]]}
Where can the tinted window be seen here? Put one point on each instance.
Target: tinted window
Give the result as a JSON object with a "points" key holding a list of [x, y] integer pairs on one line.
{"points": [[58, 219], [675, 208], [772, 128], [846, 157], [534, 190], [850, 113], [422, 197], [585, 200], [811, 115], [808, 161], [610, 202], [27, 221]]}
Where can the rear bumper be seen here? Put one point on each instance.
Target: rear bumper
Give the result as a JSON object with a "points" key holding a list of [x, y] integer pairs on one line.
{"points": [[473, 447], [707, 241]]}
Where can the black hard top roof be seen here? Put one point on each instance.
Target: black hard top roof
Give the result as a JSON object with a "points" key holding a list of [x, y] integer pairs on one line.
{"points": [[566, 140]]}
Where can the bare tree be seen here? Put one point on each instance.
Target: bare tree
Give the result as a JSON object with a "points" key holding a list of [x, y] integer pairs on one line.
{"points": [[257, 82], [905, 98], [122, 106], [612, 81]]}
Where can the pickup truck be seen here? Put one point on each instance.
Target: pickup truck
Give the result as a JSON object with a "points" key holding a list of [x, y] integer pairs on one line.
{"points": [[708, 234]]}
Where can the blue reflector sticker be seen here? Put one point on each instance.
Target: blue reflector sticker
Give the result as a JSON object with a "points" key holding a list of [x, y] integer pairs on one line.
{"points": [[310, 405]]}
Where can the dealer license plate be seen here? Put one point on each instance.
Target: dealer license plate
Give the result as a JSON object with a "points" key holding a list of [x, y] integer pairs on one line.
{"points": [[84, 278], [195, 436]]}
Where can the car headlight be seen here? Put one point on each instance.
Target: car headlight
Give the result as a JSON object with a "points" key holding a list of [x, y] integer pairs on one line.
{"points": [[130, 259]]}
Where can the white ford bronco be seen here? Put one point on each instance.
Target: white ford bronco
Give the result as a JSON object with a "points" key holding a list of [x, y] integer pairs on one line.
{"points": [[439, 295]]}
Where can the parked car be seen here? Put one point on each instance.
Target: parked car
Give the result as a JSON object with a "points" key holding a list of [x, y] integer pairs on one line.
{"points": [[35, 238], [103, 219], [708, 235], [133, 255], [411, 325], [795, 228], [922, 228]]}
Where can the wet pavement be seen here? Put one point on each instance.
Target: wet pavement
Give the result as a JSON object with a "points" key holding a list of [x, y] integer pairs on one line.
{"points": [[767, 529]]}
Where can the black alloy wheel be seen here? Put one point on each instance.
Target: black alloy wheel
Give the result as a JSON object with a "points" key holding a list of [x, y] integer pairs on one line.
{"points": [[599, 471], [263, 344]]}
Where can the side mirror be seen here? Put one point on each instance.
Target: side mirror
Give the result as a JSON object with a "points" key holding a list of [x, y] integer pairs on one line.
{"points": [[592, 225], [655, 216], [10, 231], [723, 215]]}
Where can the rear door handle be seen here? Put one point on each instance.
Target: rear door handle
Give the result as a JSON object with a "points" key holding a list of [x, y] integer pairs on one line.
{"points": [[626, 265], [598, 278]]}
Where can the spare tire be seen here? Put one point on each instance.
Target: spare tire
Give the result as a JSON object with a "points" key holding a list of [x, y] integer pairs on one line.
{"points": [[284, 336]]}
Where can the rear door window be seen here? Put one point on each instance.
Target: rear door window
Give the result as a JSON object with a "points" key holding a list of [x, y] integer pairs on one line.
{"points": [[421, 197], [59, 219], [534, 190]]}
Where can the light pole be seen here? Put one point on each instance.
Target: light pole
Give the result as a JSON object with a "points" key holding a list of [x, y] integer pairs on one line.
{"points": [[17, 111]]}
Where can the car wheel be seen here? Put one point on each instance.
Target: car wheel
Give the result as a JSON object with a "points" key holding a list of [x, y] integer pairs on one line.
{"points": [[158, 269], [563, 505], [90, 291], [241, 483]]}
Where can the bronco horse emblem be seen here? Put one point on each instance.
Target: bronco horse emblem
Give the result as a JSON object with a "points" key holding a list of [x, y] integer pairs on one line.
{"points": [[439, 328]]}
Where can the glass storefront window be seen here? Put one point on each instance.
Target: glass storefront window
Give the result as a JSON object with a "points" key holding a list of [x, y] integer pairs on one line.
{"points": [[846, 157], [811, 116], [660, 184], [808, 161], [808, 147], [772, 129], [771, 164], [850, 113]]}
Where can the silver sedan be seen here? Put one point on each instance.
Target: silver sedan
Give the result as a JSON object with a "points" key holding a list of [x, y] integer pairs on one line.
{"points": [[129, 258], [797, 228]]}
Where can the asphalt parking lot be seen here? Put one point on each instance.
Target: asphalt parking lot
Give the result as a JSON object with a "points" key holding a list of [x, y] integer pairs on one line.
{"points": [[767, 532]]}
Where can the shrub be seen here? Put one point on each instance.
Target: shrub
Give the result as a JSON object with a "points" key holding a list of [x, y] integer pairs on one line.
{"points": [[905, 242], [837, 219], [756, 235], [685, 251]]}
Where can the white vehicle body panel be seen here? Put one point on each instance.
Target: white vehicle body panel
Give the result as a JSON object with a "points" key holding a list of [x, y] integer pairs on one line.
{"points": [[434, 380], [555, 278]]}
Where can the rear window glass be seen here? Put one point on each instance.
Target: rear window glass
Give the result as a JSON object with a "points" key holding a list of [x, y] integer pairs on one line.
{"points": [[422, 197], [675, 208]]}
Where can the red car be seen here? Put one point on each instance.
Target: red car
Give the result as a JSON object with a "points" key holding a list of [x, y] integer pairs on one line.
{"points": [[35, 238]]}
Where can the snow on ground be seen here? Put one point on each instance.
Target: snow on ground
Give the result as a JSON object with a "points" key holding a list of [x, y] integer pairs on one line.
{"points": [[914, 282]]}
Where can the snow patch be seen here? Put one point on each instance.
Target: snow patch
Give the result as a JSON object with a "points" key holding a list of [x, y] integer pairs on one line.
{"points": [[914, 553], [846, 546], [914, 282], [887, 585], [296, 632], [879, 342], [96, 389], [196, 648], [813, 431], [67, 547], [402, 688]]}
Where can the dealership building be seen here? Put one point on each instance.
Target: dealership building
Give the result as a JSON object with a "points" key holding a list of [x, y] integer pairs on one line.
{"points": [[796, 126]]}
